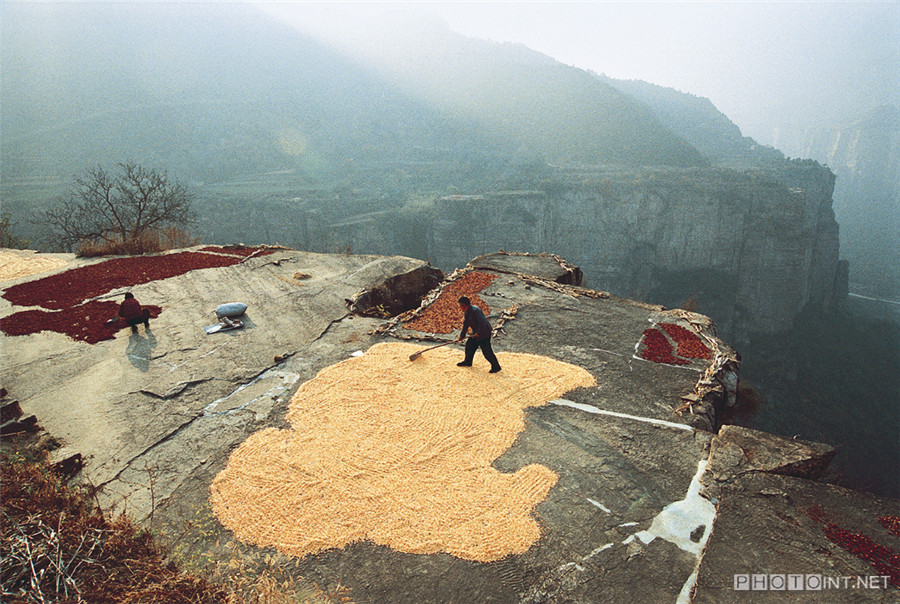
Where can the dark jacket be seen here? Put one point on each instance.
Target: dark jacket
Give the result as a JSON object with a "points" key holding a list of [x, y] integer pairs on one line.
{"points": [[131, 309], [478, 322]]}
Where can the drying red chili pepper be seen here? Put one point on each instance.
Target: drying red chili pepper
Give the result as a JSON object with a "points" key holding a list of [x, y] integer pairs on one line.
{"points": [[69, 288], [444, 314], [85, 322], [882, 558], [689, 345], [656, 348], [891, 523]]}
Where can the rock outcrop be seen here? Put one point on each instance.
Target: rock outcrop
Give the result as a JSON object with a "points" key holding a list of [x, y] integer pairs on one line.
{"points": [[647, 498], [396, 293], [777, 532], [151, 399], [738, 450], [753, 249]]}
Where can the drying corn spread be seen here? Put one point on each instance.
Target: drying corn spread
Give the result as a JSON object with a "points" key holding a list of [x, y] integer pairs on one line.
{"points": [[398, 452]]}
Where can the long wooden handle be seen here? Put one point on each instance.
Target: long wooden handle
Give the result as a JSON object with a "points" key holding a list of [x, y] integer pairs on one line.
{"points": [[438, 346], [416, 355]]}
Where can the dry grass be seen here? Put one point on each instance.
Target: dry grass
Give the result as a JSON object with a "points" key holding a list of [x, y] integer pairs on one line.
{"points": [[151, 242], [398, 452], [56, 546]]}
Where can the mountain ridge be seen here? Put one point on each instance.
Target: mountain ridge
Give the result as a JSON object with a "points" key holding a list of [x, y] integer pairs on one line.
{"points": [[150, 62]]}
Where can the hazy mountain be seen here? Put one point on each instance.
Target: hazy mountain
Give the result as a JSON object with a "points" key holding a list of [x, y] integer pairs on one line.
{"points": [[864, 154], [699, 122], [558, 111], [210, 92], [207, 92]]}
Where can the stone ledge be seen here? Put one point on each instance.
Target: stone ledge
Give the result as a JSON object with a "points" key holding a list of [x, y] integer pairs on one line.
{"points": [[737, 450]]}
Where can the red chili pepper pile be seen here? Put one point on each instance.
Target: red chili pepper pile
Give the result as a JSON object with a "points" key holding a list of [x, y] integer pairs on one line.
{"points": [[444, 314], [884, 559], [658, 349], [891, 523], [85, 322], [237, 251], [65, 292], [689, 345], [66, 289]]}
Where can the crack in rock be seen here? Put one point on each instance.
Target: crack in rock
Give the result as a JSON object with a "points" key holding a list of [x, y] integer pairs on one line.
{"points": [[327, 327], [175, 390], [172, 434], [287, 378]]}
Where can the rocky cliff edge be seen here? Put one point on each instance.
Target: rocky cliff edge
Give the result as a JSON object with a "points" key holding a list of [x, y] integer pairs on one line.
{"points": [[653, 500]]}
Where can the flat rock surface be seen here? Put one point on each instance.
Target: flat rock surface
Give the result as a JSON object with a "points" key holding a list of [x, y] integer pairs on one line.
{"points": [[544, 266], [770, 525], [149, 403], [157, 416]]}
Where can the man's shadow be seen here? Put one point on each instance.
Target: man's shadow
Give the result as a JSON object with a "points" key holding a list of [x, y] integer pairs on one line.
{"points": [[140, 350]]}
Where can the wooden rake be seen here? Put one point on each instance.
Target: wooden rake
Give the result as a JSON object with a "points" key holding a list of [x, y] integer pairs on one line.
{"points": [[416, 355]]}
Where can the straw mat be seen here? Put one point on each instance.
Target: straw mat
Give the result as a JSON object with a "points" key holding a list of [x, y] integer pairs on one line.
{"points": [[398, 452]]}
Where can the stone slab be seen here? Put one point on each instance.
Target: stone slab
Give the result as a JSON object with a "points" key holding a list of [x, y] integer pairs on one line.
{"points": [[764, 527]]}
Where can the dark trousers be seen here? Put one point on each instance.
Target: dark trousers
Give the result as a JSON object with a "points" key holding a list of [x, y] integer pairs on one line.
{"points": [[145, 319], [472, 344]]}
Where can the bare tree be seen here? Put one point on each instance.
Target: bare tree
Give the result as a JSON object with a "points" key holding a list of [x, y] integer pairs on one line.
{"points": [[8, 238], [102, 207]]}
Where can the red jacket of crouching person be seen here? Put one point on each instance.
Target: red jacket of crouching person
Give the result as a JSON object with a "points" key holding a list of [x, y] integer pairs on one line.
{"points": [[131, 310]]}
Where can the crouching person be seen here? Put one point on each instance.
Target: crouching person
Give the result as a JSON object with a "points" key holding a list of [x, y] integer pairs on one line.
{"points": [[131, 312]]}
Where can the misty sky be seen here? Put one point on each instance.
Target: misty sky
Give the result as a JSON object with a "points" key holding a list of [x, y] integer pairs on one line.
{"points": [[763, 64]]}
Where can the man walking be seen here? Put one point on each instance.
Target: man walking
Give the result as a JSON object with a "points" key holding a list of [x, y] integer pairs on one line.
{"points": [[481, 336]]}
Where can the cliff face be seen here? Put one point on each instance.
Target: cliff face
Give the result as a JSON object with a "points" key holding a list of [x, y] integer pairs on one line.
{"points": [[752, 249], [865, 156]]}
